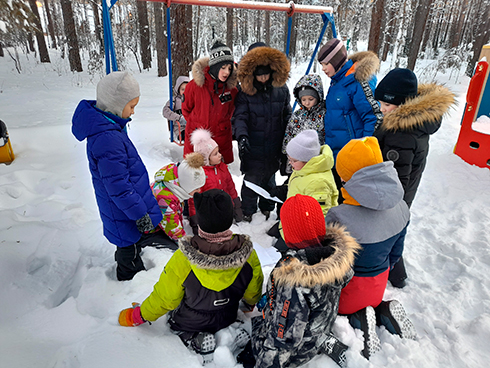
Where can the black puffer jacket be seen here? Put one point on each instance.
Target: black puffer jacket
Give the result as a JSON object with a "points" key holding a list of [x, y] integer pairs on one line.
{"points": [[262, 111], [404, 134]]}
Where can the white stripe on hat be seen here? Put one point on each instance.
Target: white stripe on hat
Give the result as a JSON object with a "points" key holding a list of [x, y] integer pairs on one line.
{"points": [[332, 53]]}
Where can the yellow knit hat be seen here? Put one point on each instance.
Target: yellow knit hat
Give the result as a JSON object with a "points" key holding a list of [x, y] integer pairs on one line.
{"points": [[356, 154]]}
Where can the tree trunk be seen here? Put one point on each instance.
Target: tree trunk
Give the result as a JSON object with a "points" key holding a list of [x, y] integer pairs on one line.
{"points": [[30, 43], [375, 29], [389, 30], [229, 28], [418, 31], [71, 36], [98, 27], [198, 32], [161, 40], [481, 33], [144, 31], [267, 39], [1, 50], [181, 58], [41, 42], [50, 24]]}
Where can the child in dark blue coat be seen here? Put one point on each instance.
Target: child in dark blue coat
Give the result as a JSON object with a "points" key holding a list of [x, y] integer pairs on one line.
{"points": [[126, 203]]}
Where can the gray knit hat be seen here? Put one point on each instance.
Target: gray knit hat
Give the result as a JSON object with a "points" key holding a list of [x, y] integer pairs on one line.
{"points": [[115, 90], [308, 91], [304, 146], [219, 55]]}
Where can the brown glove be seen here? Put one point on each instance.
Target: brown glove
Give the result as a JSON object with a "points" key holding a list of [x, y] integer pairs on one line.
{"points": [[238, 213], [193, 223]]}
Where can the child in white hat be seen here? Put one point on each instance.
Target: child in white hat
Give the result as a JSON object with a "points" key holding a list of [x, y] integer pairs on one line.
{"points": [[217, 174], [175, 183], [122, 188]]}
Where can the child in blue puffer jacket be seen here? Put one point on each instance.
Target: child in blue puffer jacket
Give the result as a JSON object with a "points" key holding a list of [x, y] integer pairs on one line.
{"points": [[126, 203], [352, 112]]}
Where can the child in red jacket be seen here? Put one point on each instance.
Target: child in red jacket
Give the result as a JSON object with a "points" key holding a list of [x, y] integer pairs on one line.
{"points": [[217, 174]]}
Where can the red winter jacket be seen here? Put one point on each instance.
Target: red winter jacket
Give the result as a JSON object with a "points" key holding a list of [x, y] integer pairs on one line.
{"points": [[217, 177], [202, 108]]}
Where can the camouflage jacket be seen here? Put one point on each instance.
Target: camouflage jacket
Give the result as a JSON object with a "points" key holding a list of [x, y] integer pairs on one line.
{"points": [[302, 301]]}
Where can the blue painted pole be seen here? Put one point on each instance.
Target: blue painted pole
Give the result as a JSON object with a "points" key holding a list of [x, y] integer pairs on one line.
{"points": [[290, 23], [170, 90]]}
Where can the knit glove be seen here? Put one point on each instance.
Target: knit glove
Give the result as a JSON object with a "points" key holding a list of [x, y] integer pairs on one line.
{"points": [[237, 208], [193, 223], [131, 317], [144, 224], [280, 192], [243, 146], [182, 122]]}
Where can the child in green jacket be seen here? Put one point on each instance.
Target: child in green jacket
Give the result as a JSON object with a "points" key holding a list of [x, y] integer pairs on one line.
{"points": [[205, 280]]}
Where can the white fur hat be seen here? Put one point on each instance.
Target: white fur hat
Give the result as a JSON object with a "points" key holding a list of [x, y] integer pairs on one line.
{"points": [[115, 90], [304, 146], [203, 143], [190, 172]]}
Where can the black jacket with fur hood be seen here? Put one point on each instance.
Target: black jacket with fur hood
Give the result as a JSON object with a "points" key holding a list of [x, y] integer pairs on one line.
{"points": [[404, 133], [302, 301], [262, 111]]}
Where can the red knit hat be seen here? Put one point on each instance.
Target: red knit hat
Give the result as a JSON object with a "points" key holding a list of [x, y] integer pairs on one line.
{"points": [[303, 222]]}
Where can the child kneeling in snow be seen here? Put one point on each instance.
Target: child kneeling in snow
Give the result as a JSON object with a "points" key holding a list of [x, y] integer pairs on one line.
{"points": [[174, 184], [303, 291], [375, 214], [204, 281], [217, 174]]}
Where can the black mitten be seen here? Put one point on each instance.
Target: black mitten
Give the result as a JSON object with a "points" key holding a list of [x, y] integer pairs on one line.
{"points": [[144, 224]]}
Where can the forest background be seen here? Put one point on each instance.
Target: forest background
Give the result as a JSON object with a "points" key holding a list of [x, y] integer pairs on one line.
{"points": [[449, 32]]}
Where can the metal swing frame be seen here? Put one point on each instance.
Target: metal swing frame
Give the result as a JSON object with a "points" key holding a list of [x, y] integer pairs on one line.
{"points": [[290, 8]]}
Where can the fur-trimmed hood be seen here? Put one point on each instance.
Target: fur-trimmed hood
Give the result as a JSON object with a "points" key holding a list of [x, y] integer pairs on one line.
{"points": [[189, 245], [366, 65], [200, 70], [423, 111], [263, 55], [334, 268]]}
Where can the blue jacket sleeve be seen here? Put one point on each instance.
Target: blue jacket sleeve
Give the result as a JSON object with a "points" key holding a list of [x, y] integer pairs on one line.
{"points": [[112, 163], [365, 109]]}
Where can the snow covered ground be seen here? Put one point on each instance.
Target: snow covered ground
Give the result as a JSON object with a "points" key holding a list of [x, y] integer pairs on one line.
{"points": [[59, 300]]}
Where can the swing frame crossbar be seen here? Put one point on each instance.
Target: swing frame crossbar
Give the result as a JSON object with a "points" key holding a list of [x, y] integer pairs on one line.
{"points": [[290, 8]]}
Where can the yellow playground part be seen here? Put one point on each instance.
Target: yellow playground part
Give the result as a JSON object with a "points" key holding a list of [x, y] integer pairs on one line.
{"points": [[6, 152]]}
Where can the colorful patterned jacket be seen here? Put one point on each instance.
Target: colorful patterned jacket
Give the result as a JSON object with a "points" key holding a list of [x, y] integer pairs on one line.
{"points": [[170, 205], [303, 119]]}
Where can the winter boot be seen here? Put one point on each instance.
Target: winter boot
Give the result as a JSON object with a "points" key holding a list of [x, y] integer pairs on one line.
{"points": [[204, 344], [241, 339], [247, 218], [365, 320], [267, 214], [398, 274], [335, 349], [246, 357], [392, 315]]}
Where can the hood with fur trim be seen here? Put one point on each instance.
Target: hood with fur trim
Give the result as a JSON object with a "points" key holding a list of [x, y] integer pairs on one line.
{"points": [[263, 55], [366, 65], [189, 245], [340, 253], [201, 67], [423, 111]]}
